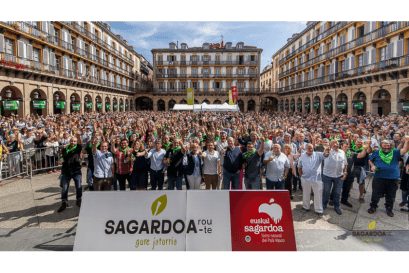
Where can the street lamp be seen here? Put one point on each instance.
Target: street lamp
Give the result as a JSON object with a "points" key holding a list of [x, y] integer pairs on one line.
{"points": [[361, 96], [72, 98], [86, 99], [344, 98], [36, 95], [56, 96], [8, 94], [383, 96]]}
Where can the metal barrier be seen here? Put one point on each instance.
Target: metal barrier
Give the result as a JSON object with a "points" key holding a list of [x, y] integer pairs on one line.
{"points": [[33, 160], [15, 164]]}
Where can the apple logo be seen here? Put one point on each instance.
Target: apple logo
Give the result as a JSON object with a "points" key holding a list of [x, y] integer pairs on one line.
{"points": [[273, 210]]}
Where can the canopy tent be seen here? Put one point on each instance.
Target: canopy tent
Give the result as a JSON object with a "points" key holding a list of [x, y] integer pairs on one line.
{"points": [[206, 107]]}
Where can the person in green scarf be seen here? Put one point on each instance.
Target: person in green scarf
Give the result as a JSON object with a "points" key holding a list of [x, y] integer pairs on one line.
{"points": [[175, 167], [385, 164], [71, 158]]}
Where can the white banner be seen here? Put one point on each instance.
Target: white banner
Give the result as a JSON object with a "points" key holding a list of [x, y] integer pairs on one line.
{"points": [[210, 211], [137, 220]]}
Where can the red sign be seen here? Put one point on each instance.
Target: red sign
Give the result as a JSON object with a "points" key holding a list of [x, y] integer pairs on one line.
{"points": [[261, 221], [234, 94]]}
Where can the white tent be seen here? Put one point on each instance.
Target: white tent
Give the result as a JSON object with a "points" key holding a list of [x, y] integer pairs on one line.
{"points": [[206, 107]]}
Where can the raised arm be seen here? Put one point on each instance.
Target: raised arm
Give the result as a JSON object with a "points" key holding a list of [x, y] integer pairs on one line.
{"points": [[261, 149], [405, 148]]}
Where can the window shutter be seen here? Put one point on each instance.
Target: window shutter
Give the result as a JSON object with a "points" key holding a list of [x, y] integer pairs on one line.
{"points": [[367, 25], [237, 71], [399, 51], [64, 60], [45, 56], [69, 64], [373, 26], [256, 57], [388, 51], [237, 58], [210, 71], [44, 26], [353, 34], [373, 56], [244, 85], [391, 50], [352, 62], [201, 71], [167, 58], [2, 46], [313, 34], [190, 57], [51, 30], [210, 58], [20, 49], [30, 52], [365, 59]]}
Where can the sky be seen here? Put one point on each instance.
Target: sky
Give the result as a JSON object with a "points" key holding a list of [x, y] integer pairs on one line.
{"points": [[270, 36]]}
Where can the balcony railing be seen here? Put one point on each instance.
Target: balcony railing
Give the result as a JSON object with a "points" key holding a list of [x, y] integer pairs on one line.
{"points": [[208, 90], [205, 76], [319, 37], [378, 33], [393, 63], [211, 63], [55, 70]]}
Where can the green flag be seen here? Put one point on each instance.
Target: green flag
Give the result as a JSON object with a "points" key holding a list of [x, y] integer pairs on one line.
{"points": [[60, 105], [39, 104], [11, 105]]}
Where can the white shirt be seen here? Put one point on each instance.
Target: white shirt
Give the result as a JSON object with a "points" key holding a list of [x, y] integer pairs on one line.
{"points": [[267, 146], [275, 169], [210, 162], [334, 164], [156, 159]]}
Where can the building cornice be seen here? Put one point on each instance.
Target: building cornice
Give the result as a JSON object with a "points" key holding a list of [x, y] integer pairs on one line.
{"points": [[205, 50]]}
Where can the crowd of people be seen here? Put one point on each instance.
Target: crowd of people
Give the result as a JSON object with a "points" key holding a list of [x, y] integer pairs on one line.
{"points": [[285, 151]]}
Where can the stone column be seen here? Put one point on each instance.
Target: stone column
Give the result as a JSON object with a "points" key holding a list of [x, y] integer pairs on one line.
{"points": [[394, 99]]}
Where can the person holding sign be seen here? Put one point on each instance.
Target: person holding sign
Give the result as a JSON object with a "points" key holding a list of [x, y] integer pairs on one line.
{"points": [[385, 164]]}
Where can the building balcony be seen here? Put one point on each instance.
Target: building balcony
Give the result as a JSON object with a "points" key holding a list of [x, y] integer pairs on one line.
{"points": [[207, 90], [29, 67], [210, 63], [206, 76], [365, 73], [367, 38]]}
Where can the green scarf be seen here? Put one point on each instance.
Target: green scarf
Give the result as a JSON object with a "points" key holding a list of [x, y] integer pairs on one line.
{"points": [[70, 149], [127, 148], [216, 137], [176, 149], [128, 134], [265, 141], [249, 154], [386, 158], [166, 127], [357, 150], [166, 145], [331, 138], [155, 133], [353, 144], [348, 154]]}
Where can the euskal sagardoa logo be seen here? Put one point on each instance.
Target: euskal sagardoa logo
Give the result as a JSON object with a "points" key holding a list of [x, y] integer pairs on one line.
{"points": [[150, 226]]}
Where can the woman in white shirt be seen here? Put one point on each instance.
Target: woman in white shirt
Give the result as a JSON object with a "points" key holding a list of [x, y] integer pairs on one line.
{"points": [[211, 166], [51, 152]]}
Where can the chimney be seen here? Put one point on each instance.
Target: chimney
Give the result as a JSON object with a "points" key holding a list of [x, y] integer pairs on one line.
{"points": [[177, 44], [221, 44]]}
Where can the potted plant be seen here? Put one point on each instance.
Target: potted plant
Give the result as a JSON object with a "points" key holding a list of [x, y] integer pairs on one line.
{"points": [[42, 37], [16, 27]]}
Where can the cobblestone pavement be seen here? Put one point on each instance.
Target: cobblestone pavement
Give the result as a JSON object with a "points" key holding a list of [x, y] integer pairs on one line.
{"points": [[29, 219]]}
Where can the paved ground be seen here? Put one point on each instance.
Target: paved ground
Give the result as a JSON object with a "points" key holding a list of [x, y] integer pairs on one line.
{"points": [[29, 220]]}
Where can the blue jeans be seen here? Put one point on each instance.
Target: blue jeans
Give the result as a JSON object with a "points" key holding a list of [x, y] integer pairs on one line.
{"points": [[65, 183], [115, 182], [405, 196], [328, 181], [252, 183], [233, 177], [271, 185], [89, 176], [172, 180]]}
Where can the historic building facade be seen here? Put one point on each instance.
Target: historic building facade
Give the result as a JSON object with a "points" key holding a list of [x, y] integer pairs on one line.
{"points": [[353, 67], [60, 67]]}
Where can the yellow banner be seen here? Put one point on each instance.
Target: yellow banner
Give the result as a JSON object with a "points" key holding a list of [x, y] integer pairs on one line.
{"points": [[190, 96], [230, 98]]}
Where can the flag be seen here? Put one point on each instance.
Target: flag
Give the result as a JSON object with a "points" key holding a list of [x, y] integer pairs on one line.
{"points": [[190, 96], [235, 97], [230, 98]]}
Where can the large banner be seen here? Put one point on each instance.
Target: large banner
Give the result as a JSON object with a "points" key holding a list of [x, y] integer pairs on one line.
{"points": [[75, 106], [11, 105], [405, 107], [115, 106], [231, 98], [359, 105], [99, 104], [108, 106], [88, 105], [234, 94], [186, 220], [39, 104], [190, 96], [60, 104]]}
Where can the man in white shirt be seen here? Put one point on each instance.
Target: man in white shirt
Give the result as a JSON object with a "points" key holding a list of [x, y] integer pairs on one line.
{"points": [[334, 174], [277, 168], [221, 145], [309, 168], [157, 156]]}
